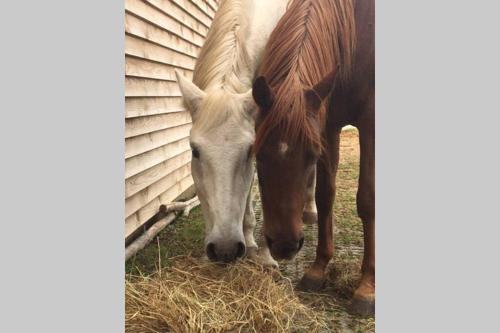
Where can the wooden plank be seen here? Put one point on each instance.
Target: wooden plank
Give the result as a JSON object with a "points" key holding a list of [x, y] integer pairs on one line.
{"points": [[179, 14], [164, 20], [143, 49], [140, 28], [213, 4], [143, 125], [137, 164], [194, 11], [161, 19], [147, 106], [203, 6], [140, 181], [173, 192], [149, 87], [143, 143], [132, 224], [135, 221], [149, 69], [142, 198]]}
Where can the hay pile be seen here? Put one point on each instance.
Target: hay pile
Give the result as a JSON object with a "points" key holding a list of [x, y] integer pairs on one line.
{"points": [[195, 296]]}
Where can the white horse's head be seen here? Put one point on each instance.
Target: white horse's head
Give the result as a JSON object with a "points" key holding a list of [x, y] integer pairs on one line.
{"points": [[221, 140]]}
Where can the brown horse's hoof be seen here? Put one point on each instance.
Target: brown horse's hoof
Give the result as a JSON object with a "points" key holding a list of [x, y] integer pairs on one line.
{"points": [[310, 217], [311, 284], [364, 306]]}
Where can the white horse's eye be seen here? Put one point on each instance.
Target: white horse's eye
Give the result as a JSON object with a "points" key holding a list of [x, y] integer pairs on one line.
{"points": [[196, 153]]}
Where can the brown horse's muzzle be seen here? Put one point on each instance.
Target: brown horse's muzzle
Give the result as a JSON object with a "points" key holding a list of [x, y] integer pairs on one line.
{"points": [[284, 249]]}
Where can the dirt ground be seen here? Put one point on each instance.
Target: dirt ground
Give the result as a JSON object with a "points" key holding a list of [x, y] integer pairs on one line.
{"points": [[185, 236]]}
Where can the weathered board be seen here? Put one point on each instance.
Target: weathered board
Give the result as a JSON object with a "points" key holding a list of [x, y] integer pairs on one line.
{"points": [[160, 37]]}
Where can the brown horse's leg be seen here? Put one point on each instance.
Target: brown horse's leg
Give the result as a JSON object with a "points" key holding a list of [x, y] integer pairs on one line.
{"points": [[325, 195], [363, 301]]}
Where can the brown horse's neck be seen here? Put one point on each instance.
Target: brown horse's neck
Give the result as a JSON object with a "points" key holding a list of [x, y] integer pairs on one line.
{"points": [[313, 38], [347, 104]]}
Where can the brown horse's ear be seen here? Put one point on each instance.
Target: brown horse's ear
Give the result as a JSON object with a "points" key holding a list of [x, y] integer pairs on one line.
{"points": [[320, 91], [313, 101], [262, 93]]}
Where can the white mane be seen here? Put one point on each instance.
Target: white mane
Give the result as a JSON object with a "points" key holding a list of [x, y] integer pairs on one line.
{"points": [[229, 58], [223, 62]]}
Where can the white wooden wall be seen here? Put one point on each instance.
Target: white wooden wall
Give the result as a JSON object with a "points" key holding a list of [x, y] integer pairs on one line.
{"points": [[160, 36]]}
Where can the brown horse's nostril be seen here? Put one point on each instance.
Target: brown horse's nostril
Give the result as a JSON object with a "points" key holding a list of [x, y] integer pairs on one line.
{"points": [[269, 242], [211, 252], [284, 249]]}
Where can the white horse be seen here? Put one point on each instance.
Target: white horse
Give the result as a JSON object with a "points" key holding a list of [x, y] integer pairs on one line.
{"points": [[223, 113]]}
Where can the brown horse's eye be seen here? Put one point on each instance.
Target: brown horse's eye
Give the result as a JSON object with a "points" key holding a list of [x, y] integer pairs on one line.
{"points": [[196, 153]]}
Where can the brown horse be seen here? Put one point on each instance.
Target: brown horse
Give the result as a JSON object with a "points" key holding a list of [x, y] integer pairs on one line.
{"points": [[302, 112]]}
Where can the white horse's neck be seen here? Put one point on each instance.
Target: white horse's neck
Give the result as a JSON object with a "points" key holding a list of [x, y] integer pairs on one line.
{"points": [[235, 43], [262, 22]]}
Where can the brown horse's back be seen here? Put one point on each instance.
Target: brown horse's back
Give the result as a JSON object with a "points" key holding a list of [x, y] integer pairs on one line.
{"points": [[355, 100]]}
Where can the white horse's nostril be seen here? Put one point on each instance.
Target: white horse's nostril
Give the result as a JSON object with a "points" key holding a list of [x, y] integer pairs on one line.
{"points": [[241, 250], [211, 252], [225, 251]]}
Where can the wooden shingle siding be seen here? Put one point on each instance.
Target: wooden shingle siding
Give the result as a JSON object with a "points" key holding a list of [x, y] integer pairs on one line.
{"points": [[137, 219], [181, 15], [143, 143], [193, 10], [144, 125], [144, 68], [146, 106], [140, 48], [160, 37]]}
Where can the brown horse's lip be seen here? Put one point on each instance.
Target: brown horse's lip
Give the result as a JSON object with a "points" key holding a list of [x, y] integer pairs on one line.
{"points": [[280, 256], [290, 257]]}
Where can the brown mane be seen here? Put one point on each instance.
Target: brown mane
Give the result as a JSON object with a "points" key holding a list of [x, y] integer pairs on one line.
{"points": [[310, 40]]}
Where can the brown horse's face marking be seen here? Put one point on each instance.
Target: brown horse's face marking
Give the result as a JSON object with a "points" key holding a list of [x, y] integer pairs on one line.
{"points": [[285, 171]]}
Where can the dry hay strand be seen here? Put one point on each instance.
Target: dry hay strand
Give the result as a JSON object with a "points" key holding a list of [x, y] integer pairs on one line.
{"points": [[344, 274], [195, 296]]}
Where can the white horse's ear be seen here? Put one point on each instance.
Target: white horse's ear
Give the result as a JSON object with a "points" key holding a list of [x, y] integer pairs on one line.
{"points": [[191, 94], [249, 105]]}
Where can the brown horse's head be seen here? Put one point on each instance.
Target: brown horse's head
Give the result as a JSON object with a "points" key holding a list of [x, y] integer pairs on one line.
{"points": [[288, 145]]}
